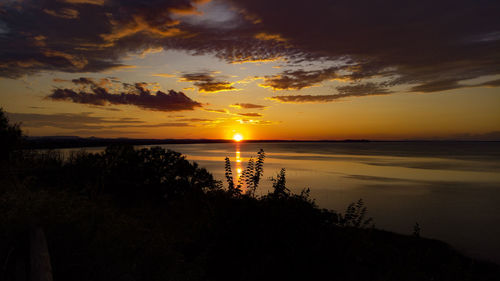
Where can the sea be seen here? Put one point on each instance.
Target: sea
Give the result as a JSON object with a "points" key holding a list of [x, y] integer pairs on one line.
{"points": [[451, 189]]}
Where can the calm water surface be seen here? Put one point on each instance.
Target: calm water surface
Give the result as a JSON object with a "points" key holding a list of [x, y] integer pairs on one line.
{"points": [[452, 189]]}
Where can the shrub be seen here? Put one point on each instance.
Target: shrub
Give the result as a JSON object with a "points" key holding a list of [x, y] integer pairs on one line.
{"points": [[10, 136]]}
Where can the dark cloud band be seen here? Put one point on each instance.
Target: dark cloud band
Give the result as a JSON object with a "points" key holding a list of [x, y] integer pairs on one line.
{"points": [[359, 90], [207, 83], [248, 106], [137, 95]]}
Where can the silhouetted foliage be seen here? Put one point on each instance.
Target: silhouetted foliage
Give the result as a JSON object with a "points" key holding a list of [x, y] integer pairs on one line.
{"points": [[279, 185], [10, 136], [355, 215], [252, 174], [129, 175], [232, 189], [155, 173], [416, 230], [149, 214], [250, 177]]}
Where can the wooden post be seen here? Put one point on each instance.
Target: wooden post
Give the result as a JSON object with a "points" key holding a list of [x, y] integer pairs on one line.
{"points": [[40, 268]]}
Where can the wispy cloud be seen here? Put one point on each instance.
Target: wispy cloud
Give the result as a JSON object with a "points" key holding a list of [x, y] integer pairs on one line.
{"points": [[256, 122], [92, 2], [85, 121], [195, 120], [225, 111], [444, 85], [207, 82], [250, 114], [166, 75], [66, 13], [247, 106], [359, 90], [366, 89], [298, 79]]}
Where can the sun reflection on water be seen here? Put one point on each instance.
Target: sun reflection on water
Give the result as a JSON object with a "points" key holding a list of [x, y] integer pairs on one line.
{"points": [[238, 162]]}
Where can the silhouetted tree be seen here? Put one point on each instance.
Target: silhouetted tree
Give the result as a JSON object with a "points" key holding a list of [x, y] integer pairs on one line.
{"points": [[151, 173], [10, 136]]}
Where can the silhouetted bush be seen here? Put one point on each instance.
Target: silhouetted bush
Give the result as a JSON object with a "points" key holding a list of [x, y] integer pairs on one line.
{"points": [[355, 215], [133, 175], [249, 179], [10, 137]]}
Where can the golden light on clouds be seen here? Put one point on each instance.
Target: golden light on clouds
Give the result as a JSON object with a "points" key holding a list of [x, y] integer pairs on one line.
{"points": [[166, 75], [267, 36], [78, 62]]}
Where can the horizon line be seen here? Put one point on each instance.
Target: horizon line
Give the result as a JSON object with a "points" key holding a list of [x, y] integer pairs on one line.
{"points": [[69, 137]]}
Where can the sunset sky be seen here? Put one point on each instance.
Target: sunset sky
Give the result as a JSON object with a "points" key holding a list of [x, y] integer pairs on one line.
{"points": [[318, 69]]}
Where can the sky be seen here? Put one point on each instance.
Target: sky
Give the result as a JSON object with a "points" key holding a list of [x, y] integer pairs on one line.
{"points": [[303, 70]]}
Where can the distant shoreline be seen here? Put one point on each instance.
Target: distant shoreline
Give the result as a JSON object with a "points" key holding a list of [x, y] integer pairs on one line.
{"points": [[52, 142]]}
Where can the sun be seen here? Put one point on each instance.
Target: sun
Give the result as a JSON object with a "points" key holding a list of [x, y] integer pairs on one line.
{"points": [[237, 137]]}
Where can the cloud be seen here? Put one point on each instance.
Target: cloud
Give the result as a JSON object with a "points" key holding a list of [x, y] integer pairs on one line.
{"points": [[77, 61], [429, 45], [166, 75], [256, 122], [195, 120], [105, 108], [360, 90], [493, 83], [148, 51], [83, 81], [410, 44], [255, 60], [250, 114], [83, 35], [84, 121], [266, 36], [91, 2], [136, 95], [305, 98], [299, 79], [366, 89], [247, 106], [65, 13], [59, 80], [139, 23], [103, 133], [207, 83], [216, 110], [437, 86], [104, 33], [444, 85], [214, 87], [165, 124]]}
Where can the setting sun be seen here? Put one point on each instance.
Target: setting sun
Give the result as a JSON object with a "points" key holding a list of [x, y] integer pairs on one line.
{"points": [[237, 137]]}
